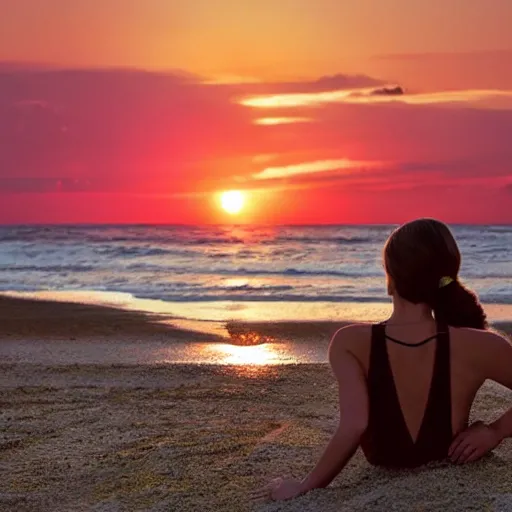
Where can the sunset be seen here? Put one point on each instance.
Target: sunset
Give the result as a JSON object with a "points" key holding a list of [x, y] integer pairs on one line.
{"points": [[247, 239], [145, 112], [232, 201]]}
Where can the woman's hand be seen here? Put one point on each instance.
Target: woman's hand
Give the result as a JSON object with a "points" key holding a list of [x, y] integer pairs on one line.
{"points": [[473, 443], [279, 489]]}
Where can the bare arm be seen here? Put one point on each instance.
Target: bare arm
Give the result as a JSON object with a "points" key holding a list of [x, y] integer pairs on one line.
{"points": [[494, 360], [498, 366], [353, 405]]}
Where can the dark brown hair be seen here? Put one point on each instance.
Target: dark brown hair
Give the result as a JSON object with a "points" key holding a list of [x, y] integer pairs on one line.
{"points": [[416, 256]]}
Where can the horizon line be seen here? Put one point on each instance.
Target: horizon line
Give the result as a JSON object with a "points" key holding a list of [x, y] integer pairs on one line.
{"points": [[234, 225]]}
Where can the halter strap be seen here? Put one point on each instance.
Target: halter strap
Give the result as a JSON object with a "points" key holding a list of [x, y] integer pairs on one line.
{"points": [[441, 329]]}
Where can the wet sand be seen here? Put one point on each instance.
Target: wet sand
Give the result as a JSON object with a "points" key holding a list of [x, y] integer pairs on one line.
{"points": [[27, 318], [76, 437], [24, 318]]}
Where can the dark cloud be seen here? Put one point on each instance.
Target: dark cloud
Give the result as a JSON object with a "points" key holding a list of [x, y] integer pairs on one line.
{"points": [[388, 91]]}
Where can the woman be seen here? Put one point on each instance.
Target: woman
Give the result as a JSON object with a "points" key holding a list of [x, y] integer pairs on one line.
{"points": [[406, 385]]}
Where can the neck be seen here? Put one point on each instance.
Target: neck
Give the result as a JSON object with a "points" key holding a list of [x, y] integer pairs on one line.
{"points": [[405, 312]]}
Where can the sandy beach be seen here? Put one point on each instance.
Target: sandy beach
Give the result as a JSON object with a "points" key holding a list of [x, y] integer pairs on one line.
{"points": [[169, 437]]}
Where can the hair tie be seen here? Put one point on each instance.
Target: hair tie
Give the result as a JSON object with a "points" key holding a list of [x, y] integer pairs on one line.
{"points": [[445, 281]]}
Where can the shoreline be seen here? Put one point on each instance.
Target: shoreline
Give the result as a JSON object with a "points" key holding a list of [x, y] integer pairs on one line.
{"points": [[85, 314], [217, 311], [55, 332]]}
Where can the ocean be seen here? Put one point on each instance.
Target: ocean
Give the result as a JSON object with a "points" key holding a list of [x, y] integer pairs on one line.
{"points": [[199, 278], [247, 264]]}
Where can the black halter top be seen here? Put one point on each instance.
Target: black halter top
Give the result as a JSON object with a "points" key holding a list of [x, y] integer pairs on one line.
{"points": [[387, 440]]}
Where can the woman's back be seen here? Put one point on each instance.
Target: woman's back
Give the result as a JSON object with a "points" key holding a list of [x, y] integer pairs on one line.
{"points": [[406, 386], [422, 379]]}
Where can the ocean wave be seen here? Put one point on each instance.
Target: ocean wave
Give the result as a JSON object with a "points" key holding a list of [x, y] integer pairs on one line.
{"points": [[251, 288], [234, 297], [47, 268], [243, 271], [129, 272], [174, 240], [313, 239], [161, 270], [256, 295], [239, 294], [333, 264], [145, 251]]}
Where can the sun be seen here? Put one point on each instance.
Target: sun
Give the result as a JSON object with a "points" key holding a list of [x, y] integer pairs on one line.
{"points": [[232, 201]]}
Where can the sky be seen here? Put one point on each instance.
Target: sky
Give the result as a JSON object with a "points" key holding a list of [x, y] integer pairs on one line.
{"points": [[122, 111]]}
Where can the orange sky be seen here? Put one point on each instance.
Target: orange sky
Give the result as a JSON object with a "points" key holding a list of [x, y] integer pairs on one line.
{"points": [[139, 147], [265, 39]]}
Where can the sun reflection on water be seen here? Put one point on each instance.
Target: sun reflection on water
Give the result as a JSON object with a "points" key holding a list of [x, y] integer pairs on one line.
{"points": [[241, 336], [247, 355]]}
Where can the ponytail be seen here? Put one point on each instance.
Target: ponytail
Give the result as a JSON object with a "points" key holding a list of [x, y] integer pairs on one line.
{"points": [[458, 306]]}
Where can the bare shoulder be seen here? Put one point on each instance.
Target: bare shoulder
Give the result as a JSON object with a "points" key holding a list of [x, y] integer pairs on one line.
{"points": [[346, 352], [480, 339], [353, 339], [488, 352]]}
